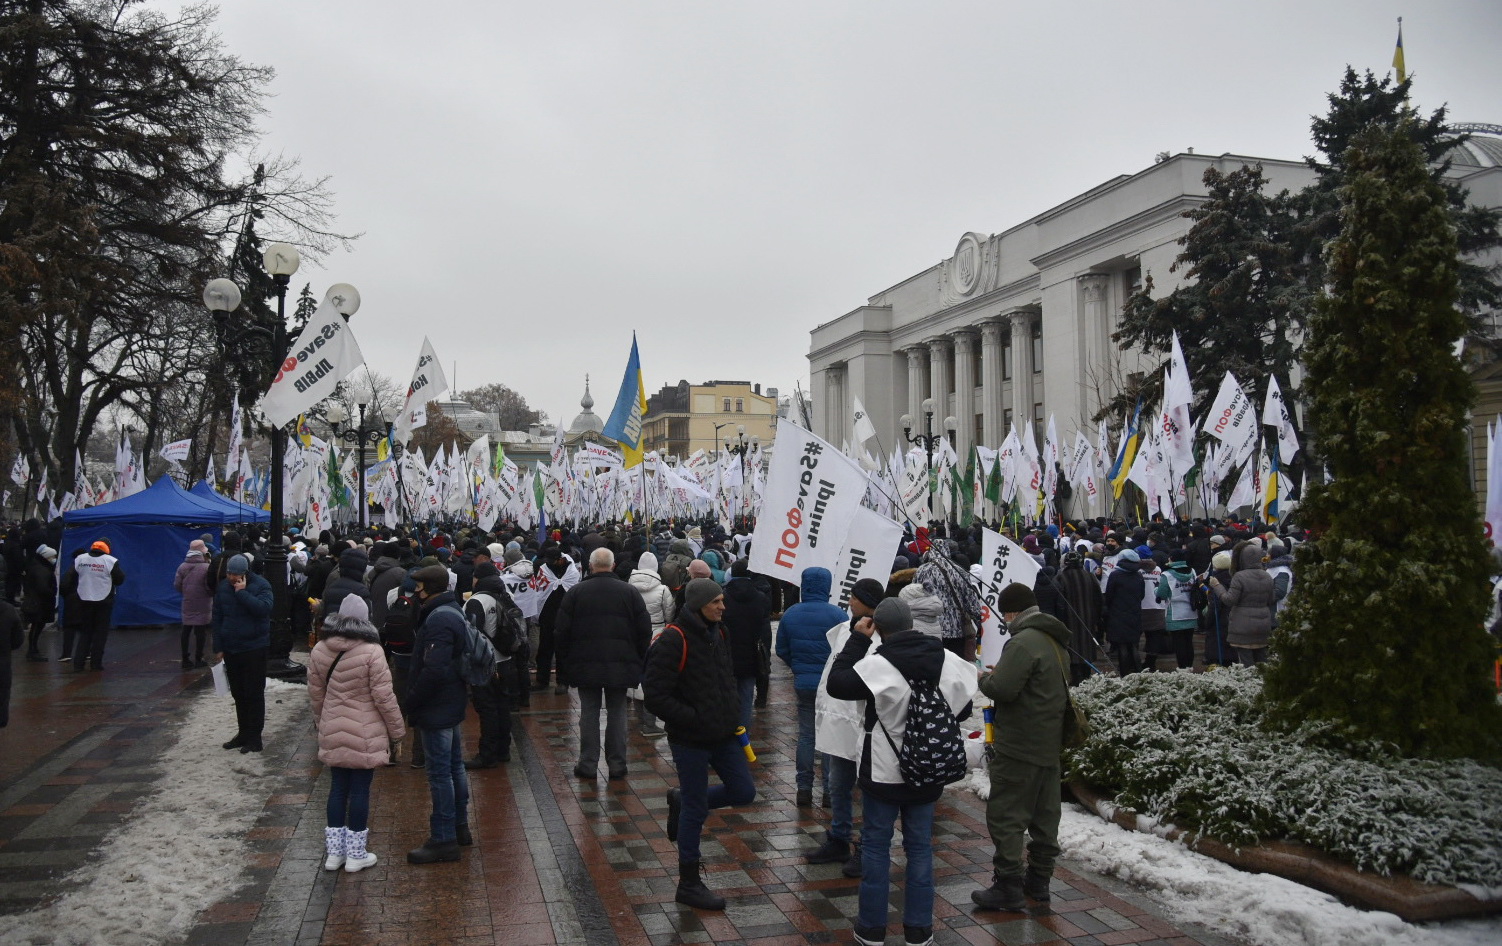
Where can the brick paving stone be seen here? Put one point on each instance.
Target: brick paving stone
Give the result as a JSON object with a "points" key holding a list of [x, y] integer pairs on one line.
{"points": [[556, 859]]}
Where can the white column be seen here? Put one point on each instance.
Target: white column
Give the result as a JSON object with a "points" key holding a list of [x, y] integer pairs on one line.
{"points": [[991, 352], [1022, 367], [939, 374], [917, 390], [964, 392], [1094, 328], [835, 411]]}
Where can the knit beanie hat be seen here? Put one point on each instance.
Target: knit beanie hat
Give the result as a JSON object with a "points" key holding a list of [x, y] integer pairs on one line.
{"points": [[869, 592], [237, 565], [197, 546], [1016, 597], [1221, 561], [513, 556], [486, 570], [893, 615], [1128, 555], [699, 592], [354, 606]]}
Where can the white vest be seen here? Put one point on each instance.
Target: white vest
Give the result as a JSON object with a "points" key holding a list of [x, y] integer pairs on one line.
{"points": [[958, 682], [94, 571]]}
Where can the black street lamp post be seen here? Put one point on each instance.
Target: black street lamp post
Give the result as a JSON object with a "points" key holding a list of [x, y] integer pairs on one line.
{"points": [[222, 297], [928, 440], [359, 436], [740, 447]]}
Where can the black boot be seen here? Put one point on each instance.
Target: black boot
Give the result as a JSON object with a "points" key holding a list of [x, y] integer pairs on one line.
{"points": [[833, 851], [434, 852], [1035, 885], [692, 892], [675, 809], [1005, 893]]}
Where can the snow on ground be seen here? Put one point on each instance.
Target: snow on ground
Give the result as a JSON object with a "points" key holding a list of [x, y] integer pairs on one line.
{"points": [[1262, 909], [182, 848], [1257, 908]]}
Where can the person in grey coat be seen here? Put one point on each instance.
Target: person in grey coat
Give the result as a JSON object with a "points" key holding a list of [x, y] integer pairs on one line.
{"points": [[1251, 597]]}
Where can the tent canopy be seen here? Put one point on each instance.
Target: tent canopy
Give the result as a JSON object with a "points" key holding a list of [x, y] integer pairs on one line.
{"points": [[245, 512], [149, 533]]}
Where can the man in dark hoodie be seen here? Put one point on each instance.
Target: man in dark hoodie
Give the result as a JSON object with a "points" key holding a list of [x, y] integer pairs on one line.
{"points": [[689, 684], [803, 644], [885, 680], [436, 697], [1121, 605], [486, 609], [1031, 693], [350, 580]]}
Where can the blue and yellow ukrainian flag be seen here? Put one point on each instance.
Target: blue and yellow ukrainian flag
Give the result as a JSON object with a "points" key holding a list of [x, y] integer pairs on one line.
{"points": [[625, 423], [1126, 454], [1274, 485]]}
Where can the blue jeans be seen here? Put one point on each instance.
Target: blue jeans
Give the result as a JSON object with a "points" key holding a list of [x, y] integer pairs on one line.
{"points": [[747, 688], [878, 820], [447, 781], [841, 774], [804, 760], [349, 792], [693, 764]]}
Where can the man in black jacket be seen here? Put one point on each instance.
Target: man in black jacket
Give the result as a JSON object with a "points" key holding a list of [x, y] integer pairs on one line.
{"points": [[689, 683], [601, 636], [436, 697], [486, 609]]}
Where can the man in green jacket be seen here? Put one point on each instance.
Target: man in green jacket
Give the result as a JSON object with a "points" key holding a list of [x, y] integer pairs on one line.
{"points": [[1031, 695]]}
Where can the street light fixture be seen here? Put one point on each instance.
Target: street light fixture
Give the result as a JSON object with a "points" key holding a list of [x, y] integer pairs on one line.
{"points": [[359, 435], [740, 447], [928, 440], [222, 297]]}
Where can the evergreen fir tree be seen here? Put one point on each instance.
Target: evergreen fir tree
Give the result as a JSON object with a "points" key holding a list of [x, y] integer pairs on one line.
{"points": [[1383, 635]]}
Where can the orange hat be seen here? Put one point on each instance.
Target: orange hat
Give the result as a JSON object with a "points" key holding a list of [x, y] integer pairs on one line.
{"points": [[101, 546]]}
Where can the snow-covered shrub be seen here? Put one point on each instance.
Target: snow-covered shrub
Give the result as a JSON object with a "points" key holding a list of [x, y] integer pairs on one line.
{"points": [[1192, 749]]}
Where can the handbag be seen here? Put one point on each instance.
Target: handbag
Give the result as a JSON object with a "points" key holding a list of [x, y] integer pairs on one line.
{"points": [[1076, 723]]}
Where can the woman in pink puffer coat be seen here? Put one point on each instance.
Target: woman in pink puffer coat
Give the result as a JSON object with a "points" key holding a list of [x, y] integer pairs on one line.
{"points": [[358, 718]]}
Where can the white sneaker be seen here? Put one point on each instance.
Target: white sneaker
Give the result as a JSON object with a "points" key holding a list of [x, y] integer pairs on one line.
{"points": [[334, 844], [356, 858]]}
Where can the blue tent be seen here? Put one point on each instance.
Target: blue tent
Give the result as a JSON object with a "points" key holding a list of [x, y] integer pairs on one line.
{"points": [[149, 533], [244, 511]]}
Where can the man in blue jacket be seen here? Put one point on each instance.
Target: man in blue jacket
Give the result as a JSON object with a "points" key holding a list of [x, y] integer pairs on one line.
{"points": [[436, 697], [242, 636], [803, 645]]}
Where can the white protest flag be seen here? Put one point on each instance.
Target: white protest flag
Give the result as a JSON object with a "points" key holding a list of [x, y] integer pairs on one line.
{"points": [[236, 424], [601, 455], [811, 496], [208, 473], [864, 429], [1232, 420], [428, 382], [1245, 493], [323, 355], [1493, 481], [913, 491], [1177, 427], [177, 450], [20, 471], [1050, 460], [867, 552], [1275, 413], [1002, 562], [1085, 475], [81, 486]]}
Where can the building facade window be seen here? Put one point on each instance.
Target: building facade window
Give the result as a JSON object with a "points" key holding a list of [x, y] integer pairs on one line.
{"points": [[727, 405], [740, 405], [1007, 420], [1037, 346], [1006, 362]]}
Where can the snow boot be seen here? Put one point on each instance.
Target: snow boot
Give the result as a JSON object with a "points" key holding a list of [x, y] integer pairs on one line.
{"points": [[692, 892], [1005, 893], [1035, 885], [334, 845], [852, 867], [356, 858], [832, 851], [918, 935], [870, 935]]}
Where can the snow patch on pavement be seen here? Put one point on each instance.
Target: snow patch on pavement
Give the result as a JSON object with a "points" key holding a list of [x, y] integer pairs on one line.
{"points": [[1257, 908], [183, 847]]}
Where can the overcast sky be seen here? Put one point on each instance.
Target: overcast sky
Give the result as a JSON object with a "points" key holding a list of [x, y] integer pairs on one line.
{"points": [[534, 181]]}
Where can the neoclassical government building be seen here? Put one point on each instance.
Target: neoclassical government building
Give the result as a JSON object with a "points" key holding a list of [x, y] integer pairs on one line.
{"points": [[1017, 325]]}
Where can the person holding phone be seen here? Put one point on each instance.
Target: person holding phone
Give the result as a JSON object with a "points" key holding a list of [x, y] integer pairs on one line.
{"points": [[242, 636]]}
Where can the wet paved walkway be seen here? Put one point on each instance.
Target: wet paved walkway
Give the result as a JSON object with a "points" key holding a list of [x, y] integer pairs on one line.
{"points": [[556, 859]]}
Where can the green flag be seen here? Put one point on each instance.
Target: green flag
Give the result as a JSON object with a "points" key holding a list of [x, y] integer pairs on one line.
{"points": [[993, 482], [336, 479], [967, 491]]}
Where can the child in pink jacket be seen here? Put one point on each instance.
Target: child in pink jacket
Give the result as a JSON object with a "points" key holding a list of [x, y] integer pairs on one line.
{"points": [[358, 719]]}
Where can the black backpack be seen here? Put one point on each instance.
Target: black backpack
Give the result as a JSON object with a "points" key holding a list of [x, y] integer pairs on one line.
{"points": [[504, 624], [933, 752], [400, 628]]}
